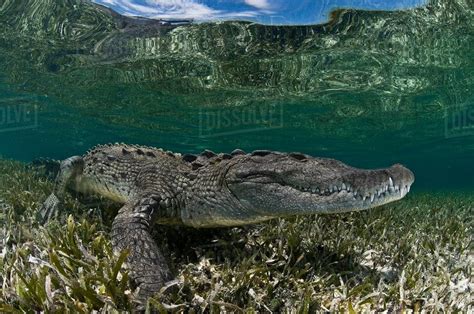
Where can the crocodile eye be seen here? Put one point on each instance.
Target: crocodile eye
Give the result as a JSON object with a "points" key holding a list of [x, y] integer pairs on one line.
{"points": [[150, 154], [298, 156]]}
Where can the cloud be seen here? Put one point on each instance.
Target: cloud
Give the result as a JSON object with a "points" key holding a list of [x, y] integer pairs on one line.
{"points": [[175, 9], [181, 9], [259, 4], [264, 11]]}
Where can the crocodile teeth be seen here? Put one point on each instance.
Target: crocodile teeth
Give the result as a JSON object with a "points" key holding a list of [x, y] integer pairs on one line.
{"points": [[372, 197], [404, 191], [390, 181]]}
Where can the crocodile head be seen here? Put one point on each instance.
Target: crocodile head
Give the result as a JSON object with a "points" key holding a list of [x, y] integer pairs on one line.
{"points": [[278, 185], [249, 188]]}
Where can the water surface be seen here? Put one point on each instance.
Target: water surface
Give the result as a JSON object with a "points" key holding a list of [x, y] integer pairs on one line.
{"points": [[274, 12], [369, 88]]}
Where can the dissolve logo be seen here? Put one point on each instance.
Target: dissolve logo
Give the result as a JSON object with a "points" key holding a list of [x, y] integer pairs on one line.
{"points": [[18, 113]]}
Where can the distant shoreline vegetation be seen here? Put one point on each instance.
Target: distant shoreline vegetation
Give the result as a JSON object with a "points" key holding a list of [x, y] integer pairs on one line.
{"points": [[279, 12]]}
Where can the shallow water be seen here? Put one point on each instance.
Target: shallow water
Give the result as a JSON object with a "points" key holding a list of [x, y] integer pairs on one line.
{"points": [[368, 88]]}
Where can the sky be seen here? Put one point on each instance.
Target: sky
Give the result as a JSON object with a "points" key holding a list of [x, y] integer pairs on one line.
{"points": [[281, 12]]}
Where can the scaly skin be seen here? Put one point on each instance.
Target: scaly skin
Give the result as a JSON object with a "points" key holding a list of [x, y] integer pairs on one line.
{"points": [[212, 190]]}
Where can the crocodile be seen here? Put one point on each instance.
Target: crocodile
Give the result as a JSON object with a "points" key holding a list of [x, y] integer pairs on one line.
{"points": [[213, 190]]}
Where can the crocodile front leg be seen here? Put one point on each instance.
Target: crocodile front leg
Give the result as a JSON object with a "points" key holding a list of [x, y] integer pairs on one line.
{"points": [[131, 231], [70, 170]]}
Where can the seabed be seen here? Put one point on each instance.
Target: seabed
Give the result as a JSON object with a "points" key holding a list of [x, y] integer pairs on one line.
{"points": [[412, 255]]}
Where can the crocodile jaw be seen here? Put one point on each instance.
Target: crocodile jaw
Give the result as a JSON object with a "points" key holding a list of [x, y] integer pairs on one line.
{"points": [[317, 186], [276, 200]]}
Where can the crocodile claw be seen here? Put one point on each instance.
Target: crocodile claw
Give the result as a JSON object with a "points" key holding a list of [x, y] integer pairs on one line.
{"points": [[49, 209]]}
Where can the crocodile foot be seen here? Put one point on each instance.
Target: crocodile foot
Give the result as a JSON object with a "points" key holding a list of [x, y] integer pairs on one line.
{"points": [[49, 209]]}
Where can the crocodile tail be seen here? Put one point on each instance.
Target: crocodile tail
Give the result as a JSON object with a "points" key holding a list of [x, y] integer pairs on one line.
{"points": [[50, 166]]}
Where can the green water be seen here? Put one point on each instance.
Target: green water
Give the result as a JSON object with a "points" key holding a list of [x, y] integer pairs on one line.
{"points": [[369, 88]]}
